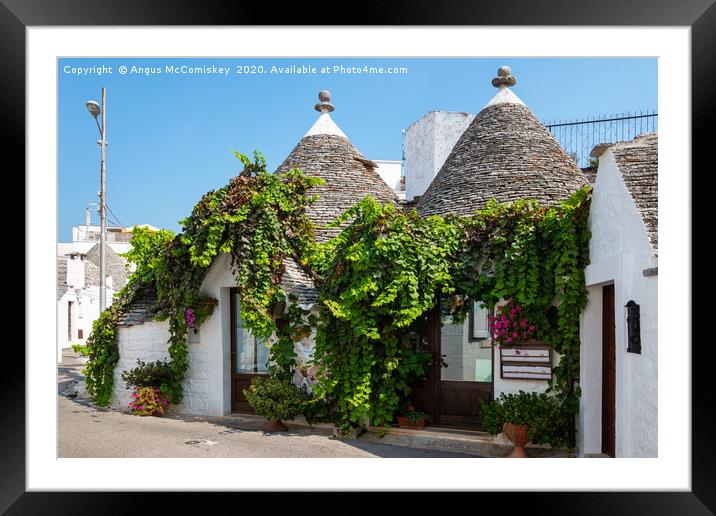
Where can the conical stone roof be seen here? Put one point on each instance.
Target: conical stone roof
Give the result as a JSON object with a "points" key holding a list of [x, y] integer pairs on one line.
{"points": [[326, 152], [506, 154]]}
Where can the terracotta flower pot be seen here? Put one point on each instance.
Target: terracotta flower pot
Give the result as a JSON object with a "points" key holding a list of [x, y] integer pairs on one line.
{"points": [[404, 422], [519, 435], [275, 426]]}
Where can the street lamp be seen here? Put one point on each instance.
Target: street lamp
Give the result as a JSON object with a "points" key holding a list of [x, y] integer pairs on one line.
{"points": [[95, 111]]}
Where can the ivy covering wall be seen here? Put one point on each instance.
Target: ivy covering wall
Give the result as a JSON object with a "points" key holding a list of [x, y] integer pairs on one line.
{"points": [[383, 271]]}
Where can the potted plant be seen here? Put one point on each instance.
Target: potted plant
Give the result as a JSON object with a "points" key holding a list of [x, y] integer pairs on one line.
{"points": [[276, 400], [411, 418], [150, 381], [148, 401], [527, 417]]}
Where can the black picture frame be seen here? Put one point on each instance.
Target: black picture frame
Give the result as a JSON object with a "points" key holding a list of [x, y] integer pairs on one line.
{"points": [[700, 15]]}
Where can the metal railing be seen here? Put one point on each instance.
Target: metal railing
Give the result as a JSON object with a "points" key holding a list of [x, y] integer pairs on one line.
{"points": [[579, 137]]}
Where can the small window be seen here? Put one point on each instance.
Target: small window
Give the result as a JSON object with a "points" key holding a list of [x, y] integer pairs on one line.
{"points": [[479, 329], [80, 334]]}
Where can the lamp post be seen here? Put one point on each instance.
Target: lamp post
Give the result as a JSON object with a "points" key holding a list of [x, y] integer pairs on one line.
{"points": [[95, 111]]}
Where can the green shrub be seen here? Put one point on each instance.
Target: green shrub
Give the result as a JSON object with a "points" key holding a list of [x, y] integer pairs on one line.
{"points": [[275, 399], [548, 423], [81, 349], [148, 374]]}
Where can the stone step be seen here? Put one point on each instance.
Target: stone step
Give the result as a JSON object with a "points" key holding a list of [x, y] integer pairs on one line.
{"points": [[480, 444]]}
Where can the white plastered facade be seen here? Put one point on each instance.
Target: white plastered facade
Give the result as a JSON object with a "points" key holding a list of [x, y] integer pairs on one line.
{"points": [[620, 252]]}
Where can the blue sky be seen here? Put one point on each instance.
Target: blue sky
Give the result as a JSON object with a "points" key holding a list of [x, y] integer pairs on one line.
{"points": [[172, 136]]}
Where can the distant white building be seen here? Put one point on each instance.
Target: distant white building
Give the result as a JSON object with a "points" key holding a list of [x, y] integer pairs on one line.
{"points": [[390, 171], [78, 279]]}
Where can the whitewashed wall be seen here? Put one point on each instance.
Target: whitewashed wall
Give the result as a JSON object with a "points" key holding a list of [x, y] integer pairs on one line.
{"points": [[428, 143], [619, 252], [207, 383], [149, 342], [146, 342], [75, 272], [389, 171]]}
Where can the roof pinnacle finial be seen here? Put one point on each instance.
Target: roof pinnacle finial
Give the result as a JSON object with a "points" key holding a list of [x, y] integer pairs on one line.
{"points": [[504, 78], [324, 106]]}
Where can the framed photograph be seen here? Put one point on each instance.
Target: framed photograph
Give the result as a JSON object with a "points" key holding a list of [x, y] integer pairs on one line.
{"points": [[184, 87]]}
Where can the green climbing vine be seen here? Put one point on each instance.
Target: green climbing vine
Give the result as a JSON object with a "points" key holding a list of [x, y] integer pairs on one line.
{"points": [[259, 219], [376, 278], [384, 270], [536, 256], [380, 274]]}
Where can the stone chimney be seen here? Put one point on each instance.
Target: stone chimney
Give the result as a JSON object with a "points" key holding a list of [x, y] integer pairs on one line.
{"points": [[88, 219]]}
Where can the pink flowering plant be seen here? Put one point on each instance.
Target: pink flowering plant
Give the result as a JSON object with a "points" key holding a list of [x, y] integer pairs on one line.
{"points": [[148, 401], [509, 326], [190, 318]]}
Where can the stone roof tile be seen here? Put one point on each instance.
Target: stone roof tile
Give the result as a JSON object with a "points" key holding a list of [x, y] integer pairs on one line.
{"points": [[348, 177], [141, 309], [506, 154]]}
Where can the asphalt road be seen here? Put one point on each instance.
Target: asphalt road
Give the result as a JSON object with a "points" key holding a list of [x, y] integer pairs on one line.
{"points": [[88, 431]]}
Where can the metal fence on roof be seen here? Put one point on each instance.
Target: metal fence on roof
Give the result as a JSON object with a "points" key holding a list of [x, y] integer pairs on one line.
{"points": [[578, 137]]}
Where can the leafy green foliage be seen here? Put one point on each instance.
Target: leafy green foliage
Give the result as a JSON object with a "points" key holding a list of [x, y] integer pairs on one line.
{"points": [[534, 256], [542, 413], [81, 349], [275, 399], [148, 374], [147, 254], [102, 350], [380, 273], [258, 218]]}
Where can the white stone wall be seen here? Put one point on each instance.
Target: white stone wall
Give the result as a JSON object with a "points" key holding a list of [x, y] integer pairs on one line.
{"points": [[389, 171], [146, 342], [207, 382], [619, 253], [149, 342], [449, 127], [75, 272], [428, 143]]}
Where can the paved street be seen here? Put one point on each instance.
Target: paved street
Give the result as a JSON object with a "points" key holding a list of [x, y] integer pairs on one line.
{"points": [[87, 431]]}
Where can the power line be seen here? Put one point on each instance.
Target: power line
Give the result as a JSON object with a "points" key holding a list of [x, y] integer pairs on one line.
{"points": [[116, 221]]}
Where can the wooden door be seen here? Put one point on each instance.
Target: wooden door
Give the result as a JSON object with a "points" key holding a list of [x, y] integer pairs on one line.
{"points": [[69, 320], [608, 372], [247, 358], [457, 390], [422, 392]]}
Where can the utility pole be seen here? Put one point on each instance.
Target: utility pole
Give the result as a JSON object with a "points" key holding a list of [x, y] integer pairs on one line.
{"points": [[95, 111], [103, 211]]}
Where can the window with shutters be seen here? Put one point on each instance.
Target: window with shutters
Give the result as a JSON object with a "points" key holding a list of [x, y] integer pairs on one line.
{"points": [[479, 330]]}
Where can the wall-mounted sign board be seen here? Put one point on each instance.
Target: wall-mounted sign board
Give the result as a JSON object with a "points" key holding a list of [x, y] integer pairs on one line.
{"points": [[533, 362]]}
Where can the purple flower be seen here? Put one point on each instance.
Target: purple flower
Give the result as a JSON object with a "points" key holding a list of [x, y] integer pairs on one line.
{"points": [[190, 318]]}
